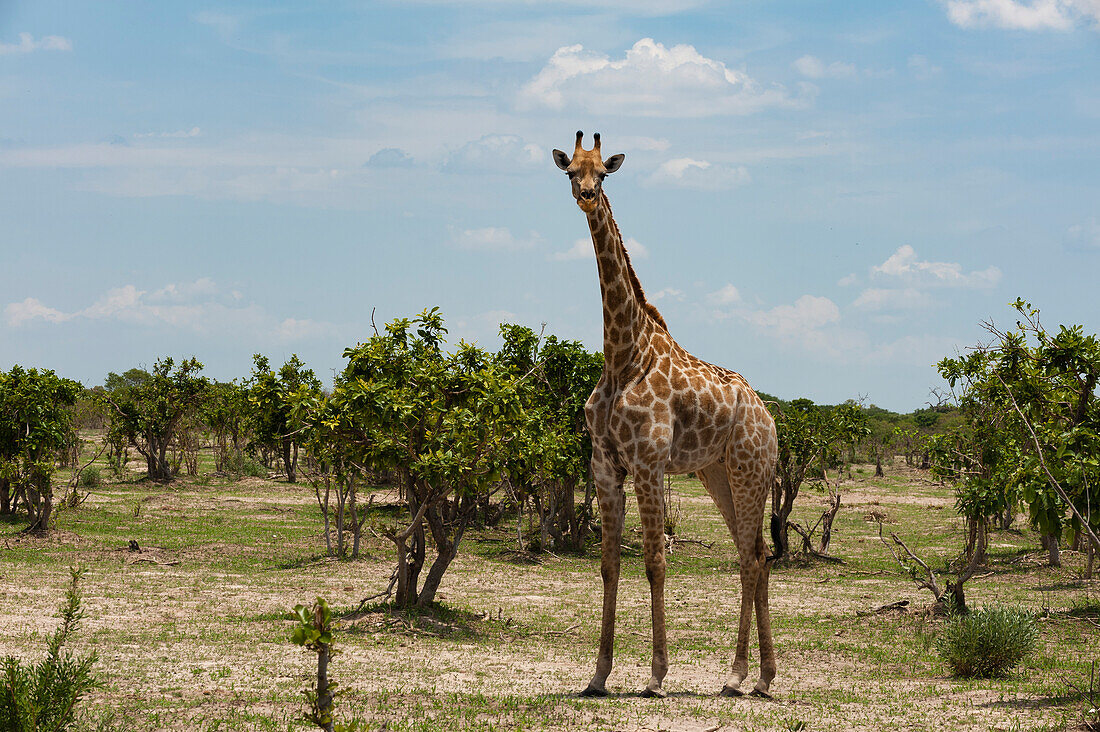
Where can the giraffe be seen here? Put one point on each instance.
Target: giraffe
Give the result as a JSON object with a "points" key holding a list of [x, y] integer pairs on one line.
{"points": [[658, 409]]}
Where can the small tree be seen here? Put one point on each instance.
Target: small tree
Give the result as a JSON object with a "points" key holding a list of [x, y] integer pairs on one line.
{"points": [[811, 439], [1031, 404], [148, 408], [444, 422], [35, 422], [556, 448], [270, 394], [227, 413]]}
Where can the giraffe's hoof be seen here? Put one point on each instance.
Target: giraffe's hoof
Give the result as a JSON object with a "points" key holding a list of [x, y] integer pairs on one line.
{"points": [[730, 691], [654, 692], [593, 691], [760, 693]]}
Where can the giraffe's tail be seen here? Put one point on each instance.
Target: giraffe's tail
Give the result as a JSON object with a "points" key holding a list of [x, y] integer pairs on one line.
{"points": [[777, 538]]}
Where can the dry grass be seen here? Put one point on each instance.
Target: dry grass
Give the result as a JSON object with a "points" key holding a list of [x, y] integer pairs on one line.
{"points": [[192, 631]]}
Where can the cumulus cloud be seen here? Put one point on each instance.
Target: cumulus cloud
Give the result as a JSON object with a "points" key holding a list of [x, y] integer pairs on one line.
{"points": [[878, 298], [906, 282], [724, 296], [18, 313], [1011, 14], [493, 239], [814, 68], [199, 306], [27, 44], [650, 80], [583, 249], [903, 264], [699, 174], [1084, 236], [501, 154], [668, 293], [808, 312], [635, 248]]}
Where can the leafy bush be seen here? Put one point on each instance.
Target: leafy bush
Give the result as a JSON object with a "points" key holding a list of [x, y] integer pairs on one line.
{"points": [[44, 696], [91, 478], [244, 466], [987, 642]]}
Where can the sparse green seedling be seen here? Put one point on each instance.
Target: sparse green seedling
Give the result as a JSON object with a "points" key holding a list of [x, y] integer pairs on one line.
{"points": [[987, 642], [314, 633], [44, 696]]}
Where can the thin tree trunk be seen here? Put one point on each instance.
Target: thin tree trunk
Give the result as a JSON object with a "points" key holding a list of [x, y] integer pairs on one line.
{"points": [[324, 695], [1050, 543], [289, 461]]}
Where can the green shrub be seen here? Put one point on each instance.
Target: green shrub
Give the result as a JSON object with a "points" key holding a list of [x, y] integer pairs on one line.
{"points": [[244, 466], [44, 696], [987, 642], [91, 478]]}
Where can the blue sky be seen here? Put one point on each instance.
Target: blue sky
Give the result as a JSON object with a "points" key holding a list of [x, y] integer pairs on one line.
{"points": [[827, 197]]}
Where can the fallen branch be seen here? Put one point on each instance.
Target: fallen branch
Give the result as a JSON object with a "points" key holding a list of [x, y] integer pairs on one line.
{"points": [[899, 605]]}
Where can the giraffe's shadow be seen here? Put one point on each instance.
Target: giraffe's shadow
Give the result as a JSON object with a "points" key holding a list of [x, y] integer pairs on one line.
{"points": [[685, 694]]}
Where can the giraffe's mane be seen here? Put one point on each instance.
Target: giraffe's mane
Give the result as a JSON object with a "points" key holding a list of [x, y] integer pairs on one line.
{"points": [[635, 283]]}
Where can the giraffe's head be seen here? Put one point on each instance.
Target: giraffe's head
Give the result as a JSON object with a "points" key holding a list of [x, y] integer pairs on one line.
{"points": [[587, 170]]}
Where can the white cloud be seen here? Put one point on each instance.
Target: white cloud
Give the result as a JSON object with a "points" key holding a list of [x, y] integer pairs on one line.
{"points": [[200, 307], [502, 154], [1036, 15], [635, 248], [808, 313], [27, 44], [18, 313], [668, 293], [699, 174], [581, 249], [724, 296], [903, 264], [848, 280], [907, 298], [814, 68], [294, 329], [493, 239], [650, 80], [1086, 235]]}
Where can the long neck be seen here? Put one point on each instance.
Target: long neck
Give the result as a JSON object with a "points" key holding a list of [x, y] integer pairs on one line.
{"points": [[628, 319]]}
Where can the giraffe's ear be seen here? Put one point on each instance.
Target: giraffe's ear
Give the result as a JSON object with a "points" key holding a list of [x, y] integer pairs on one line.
{"points": [[561, 159], [613, 163]]}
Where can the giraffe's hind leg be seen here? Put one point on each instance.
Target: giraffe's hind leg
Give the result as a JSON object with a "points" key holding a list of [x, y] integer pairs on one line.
{"points": [[742, 509], [763, 622]]}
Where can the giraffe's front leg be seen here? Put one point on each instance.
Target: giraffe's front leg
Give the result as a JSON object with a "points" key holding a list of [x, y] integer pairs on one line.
{"points": [[651, 507], [609, 491]]}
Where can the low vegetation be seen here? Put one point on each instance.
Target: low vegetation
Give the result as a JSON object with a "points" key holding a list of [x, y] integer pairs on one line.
{"points": [[988, 642]]}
